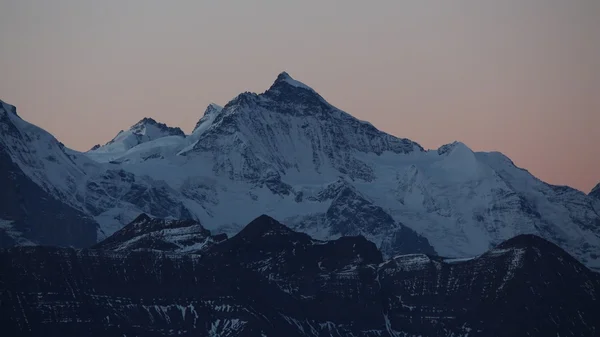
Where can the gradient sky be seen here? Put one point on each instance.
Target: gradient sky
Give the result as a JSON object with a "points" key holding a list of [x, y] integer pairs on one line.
{"points": [[517, 76]]}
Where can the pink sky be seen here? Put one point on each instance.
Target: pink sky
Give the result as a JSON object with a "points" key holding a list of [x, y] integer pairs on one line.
{"points": [[517, 76]]}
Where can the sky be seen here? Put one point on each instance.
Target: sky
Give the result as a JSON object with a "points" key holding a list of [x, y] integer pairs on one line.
{"points": [[517, 76]]}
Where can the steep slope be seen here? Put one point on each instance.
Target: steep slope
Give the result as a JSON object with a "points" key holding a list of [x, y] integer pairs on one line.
{"points": [[44, 159], [28, 213], [292, 130], [209, 116], [271, 281], [58, 191]]}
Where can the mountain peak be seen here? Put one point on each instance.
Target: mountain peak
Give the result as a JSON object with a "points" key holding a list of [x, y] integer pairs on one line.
{"points": [[209, 115], [525, 241], [146, 120], [447, 148], [147, 129], [213, 107], [284, 82], [141, 127], [264, 225], [146, 233]]}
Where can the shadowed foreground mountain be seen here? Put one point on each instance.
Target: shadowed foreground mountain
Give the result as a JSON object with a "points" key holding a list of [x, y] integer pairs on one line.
{"points": [[271, 281]]}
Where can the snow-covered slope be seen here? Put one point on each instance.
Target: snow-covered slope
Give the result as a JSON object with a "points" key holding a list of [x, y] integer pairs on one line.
{"points": [[47, 182], [290, 154], [143, 131], [38, 184]]}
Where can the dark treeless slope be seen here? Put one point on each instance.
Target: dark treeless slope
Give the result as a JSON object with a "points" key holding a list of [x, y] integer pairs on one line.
{"points": [[271, 281]]}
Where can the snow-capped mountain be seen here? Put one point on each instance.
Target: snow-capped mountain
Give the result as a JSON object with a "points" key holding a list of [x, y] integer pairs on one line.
{"points": [[38, 177], [269, 280], [290, 154], [141, 132], [209, 116]]}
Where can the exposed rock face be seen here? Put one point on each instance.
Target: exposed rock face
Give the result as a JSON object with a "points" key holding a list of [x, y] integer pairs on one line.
{"points": [[145, 233], [271, 281]]}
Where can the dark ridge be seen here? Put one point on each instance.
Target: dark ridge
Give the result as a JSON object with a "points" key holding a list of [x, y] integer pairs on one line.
{"points": [[281, 286], [262, 225], [527, 241], [265, 235], [143, 225]]}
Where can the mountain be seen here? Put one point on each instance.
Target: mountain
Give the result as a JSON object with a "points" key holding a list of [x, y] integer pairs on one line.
{"points": [[290, 154], [209, 116], [145, 233], [269, 280], [32, 210], [143, 131]]}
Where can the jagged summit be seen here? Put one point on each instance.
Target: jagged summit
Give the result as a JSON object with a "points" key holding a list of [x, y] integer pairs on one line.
{"points": [[146, 130], [147, 233], [141, 127], [285, 78], [290, 125], [283, 88], [208, 117], [287, 89]]}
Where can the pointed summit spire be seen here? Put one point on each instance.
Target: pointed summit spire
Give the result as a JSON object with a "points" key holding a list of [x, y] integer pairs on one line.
{"points": [[212, 110], [284, 79], [283, 76]]}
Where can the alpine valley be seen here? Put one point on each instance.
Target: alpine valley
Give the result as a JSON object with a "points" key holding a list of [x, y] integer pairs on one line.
{"points": [[289, 154]]}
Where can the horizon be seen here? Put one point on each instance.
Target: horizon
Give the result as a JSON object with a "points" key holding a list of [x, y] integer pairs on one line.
{"points": [[517, 78]]}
